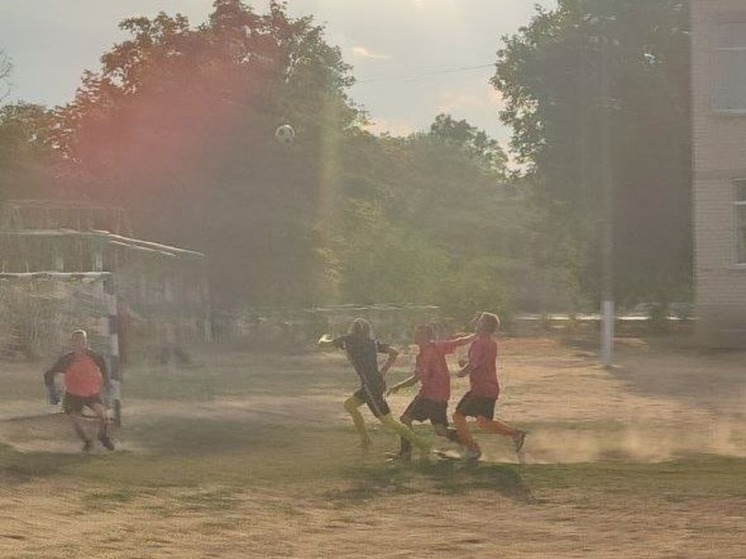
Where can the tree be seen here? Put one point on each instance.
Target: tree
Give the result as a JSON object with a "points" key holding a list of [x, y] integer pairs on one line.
{"points": [[179, 124], [572, 71], [5, 68], [25, 153], [429, 219], [473, 142]]}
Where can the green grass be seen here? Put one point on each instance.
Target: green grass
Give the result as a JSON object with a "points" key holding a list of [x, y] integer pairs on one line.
{"points": [[233, 375], [688, 476], [275, 452]]}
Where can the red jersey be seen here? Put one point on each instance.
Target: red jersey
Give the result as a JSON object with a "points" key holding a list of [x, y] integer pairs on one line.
{"points": [[83, 377], [431, 370], [483, 374]]}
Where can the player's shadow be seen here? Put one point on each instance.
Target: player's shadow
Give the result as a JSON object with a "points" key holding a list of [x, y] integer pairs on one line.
{"points": [[203, 436], [443, 477], [17, 468]]}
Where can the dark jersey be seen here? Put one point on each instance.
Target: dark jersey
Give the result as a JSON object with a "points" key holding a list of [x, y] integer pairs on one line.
{"points": [[363, 354]]}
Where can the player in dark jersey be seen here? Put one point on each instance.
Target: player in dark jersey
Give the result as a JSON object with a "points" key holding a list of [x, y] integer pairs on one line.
{"points": [[362, 351]]}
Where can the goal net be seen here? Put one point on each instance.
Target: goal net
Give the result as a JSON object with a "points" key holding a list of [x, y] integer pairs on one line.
{"points": [[39, 311]]}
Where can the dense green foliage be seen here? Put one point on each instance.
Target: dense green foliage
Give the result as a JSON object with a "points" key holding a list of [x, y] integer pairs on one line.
{"points": [[177, 126], [26, 163], [620, 68]]}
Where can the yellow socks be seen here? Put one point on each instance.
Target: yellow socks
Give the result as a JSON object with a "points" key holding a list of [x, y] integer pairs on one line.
{"points": [[351, 405], [405, 432]]}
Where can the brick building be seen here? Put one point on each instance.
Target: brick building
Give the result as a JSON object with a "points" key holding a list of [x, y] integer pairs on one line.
{"points": [[719, 147]]}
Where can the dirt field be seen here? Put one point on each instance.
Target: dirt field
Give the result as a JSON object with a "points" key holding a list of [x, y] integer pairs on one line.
{"points": [[252, 456]]}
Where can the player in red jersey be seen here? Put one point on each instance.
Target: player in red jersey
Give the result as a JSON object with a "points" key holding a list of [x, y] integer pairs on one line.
{"points": [[484, 389], [431, 371]]}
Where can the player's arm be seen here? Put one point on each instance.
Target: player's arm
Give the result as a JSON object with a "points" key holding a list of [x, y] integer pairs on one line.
{"points": [[101, 362], [462, 340], [475, 362], [392, 356], [60, 366], [406, 383], [466, 368], [450, 345]]}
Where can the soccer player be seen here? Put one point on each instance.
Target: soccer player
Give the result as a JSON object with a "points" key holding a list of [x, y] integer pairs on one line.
{"points": [[484, 389], [362, 350], [431, 371], [85, 378]]}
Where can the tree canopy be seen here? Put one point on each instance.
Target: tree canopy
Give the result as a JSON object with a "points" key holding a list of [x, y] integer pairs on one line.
{"points": [[178, 124], [620, 68]]}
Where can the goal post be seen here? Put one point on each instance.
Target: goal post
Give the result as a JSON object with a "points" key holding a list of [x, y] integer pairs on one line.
{"points": [[39, 311]]}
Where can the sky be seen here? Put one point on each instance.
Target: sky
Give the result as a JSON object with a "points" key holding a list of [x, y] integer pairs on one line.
{"points": [[413, 59]]}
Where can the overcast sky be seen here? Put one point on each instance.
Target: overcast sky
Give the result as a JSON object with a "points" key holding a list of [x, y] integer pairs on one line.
{"points": [[413, 58]]}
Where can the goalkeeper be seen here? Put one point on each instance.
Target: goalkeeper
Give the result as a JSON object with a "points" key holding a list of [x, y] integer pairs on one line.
{"points": [[86, 377]]}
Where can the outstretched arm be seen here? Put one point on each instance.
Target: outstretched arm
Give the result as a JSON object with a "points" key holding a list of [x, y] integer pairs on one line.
{"points": [[406, 383], [462, 340], [59, 367]]}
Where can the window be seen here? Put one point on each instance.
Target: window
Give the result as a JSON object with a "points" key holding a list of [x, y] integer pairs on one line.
{"points": [[729, 93], [740, 207]]}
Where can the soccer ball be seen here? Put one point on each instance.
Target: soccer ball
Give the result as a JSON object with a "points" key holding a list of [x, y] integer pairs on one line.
{"points": [[285, 134]]}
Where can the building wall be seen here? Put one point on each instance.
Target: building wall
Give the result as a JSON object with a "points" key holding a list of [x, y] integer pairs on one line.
{"points": [[719, 159]]}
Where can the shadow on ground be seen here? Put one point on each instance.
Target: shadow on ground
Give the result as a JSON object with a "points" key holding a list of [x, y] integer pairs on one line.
{"points": [[443, 477]]}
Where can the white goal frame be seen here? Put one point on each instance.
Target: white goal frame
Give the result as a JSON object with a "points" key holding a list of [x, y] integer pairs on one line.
{"points": [[109, 324]]}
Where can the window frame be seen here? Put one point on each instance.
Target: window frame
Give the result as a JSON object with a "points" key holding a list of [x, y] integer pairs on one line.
{"points": [[717, 91]]}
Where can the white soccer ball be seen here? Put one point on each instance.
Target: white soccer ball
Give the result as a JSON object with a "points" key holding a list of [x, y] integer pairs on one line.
{"points": [[285, 134]]}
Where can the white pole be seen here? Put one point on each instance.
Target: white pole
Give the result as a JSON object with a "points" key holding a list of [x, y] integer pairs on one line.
{"points": [[607, 178], [607, 336]]}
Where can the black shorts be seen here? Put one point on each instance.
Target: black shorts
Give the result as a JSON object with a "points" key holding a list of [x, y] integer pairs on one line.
{"points": [[75, 404], [475, 406], [375, 400], [422, 409]]}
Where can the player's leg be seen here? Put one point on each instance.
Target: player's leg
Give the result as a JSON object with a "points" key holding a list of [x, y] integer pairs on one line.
{"points": [[103, 423], [405, 432], [410, 414], [462, 430], [436, 413], [501, 428], [351, 406], [442, 430], [464, 409], [405, 447], [380, 409], [73, 408]]}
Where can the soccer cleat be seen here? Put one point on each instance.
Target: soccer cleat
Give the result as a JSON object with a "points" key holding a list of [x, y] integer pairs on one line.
{"points": [[473, 454], [87, 446], [400, 457], [106, 441], [518, 440]]}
